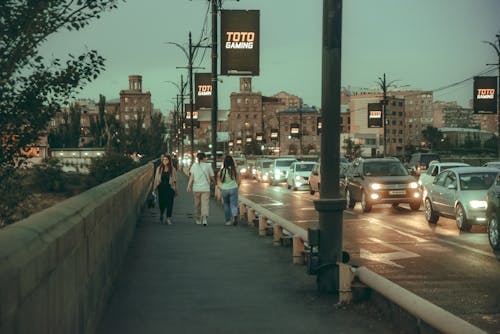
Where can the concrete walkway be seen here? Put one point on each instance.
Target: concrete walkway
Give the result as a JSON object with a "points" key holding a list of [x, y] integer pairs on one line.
{"points": [[186, 278]]}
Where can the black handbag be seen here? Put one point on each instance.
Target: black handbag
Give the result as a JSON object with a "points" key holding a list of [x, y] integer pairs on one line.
{"points": [[151, 199]]}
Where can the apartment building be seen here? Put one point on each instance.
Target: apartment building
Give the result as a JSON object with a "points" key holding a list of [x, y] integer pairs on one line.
{"points": [[135, 105]]}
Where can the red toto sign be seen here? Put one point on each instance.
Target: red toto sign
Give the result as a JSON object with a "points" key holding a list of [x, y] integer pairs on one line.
{"points": [[485, 95]]}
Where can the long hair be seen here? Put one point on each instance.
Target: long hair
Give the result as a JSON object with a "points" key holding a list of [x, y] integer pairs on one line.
{"points": [[169, 164], [228, 167]]}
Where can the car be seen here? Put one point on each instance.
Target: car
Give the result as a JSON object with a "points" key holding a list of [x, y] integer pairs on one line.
{"points": [[494, 164], [242, 167], [280, 169], [315, 177], [419, 162], [380, 181], [263, 169], [493, 214], [460, 193], [434, 169], [298, 175]]}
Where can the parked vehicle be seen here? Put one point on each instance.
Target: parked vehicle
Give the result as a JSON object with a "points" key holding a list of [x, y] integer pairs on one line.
{"points": [[298, 175], [493, 214], [263, 169], [433, 170], [280, 169], [380, 181], [460, 193], [419, 162]]}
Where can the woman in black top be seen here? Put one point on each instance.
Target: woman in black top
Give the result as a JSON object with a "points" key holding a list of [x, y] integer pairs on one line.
{"points": [[165, 184]]}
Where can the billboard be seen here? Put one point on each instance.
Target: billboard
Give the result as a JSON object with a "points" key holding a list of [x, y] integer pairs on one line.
{"points": [[485, 95], [375, 115], [203, 90], [240, 42]]}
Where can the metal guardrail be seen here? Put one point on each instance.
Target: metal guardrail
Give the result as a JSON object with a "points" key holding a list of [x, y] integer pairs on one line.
{"points": [[420, 308]]}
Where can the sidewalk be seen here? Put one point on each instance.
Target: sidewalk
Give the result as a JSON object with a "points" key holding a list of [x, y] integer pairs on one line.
{"points": [[186, 278]]}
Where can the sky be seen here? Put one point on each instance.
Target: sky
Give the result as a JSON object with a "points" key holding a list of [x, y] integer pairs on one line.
{"points": [[418, 44]]}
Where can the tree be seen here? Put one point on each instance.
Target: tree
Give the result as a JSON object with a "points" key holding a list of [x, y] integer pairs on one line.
{"points": [[433, 136], [68, 133], [32, 88], [352, 150]]}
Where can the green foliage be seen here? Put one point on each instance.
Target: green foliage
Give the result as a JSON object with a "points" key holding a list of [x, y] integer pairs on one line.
{"points": [[111, 165], [68, 133], [12, 192], [47, 176], [433, 136], [32, 88], [352, 150]]}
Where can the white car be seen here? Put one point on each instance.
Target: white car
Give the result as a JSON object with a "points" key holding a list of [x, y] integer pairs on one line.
{"points": [[436, 167], [298, 176]]}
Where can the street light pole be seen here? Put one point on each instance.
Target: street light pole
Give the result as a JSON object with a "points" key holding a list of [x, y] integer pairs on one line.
{"points": [[181, 94], [497, 49], [215, 6]]}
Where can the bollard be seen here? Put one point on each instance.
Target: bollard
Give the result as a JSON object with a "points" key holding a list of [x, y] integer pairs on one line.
{"points": [[346, 277], [298, 250], [250, 216], [277, 234], [262, 225]]}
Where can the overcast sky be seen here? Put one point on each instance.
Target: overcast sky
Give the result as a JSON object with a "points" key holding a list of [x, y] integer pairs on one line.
{"points": [[426, 44]]}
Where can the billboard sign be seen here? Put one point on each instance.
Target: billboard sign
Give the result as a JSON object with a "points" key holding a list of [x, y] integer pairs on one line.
{"points": [[203, 90], [374, 115], [485, 95], [240, 42]]}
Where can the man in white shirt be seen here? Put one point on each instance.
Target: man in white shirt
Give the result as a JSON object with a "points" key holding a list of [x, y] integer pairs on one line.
{"points": [[201, 175]]}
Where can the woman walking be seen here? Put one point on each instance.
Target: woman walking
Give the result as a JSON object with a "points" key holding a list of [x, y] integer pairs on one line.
{"points": [[165, 183], [201, 175], [228, 182]]}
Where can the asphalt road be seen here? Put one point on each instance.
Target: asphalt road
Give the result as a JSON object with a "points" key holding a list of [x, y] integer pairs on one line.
{"points": [[455, 270]]}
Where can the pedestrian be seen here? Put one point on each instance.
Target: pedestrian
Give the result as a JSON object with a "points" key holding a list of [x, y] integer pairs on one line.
{"points": [[201, 176], [165, 183], [175, 162], [229, 180]]}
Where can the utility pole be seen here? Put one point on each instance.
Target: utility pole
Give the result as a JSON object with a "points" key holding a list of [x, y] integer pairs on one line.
{"points": [[331, 204], [215, 8], [497, 49], [384, 85]]}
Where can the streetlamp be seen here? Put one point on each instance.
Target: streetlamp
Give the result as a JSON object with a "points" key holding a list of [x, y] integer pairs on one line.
{"points": [[181, 94], [497, 49], [190, 56]]}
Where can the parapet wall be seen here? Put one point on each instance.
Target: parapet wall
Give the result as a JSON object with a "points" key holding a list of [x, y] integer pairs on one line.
{"points": [[57, 267]]}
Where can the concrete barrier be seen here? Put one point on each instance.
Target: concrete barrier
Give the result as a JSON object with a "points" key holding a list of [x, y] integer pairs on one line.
{"points": [[57, 267], [427, 317]]}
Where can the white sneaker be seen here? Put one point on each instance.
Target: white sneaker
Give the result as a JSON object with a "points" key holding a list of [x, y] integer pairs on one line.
{"points": [[228, 223], [205, 221], [169, 222], [198, 222]]}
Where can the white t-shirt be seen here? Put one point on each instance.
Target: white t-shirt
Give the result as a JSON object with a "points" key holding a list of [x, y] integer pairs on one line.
{"points": [[201, 176]]}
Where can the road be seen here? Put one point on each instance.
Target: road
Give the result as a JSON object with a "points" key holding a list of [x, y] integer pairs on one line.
{"points": [[455, 270]]}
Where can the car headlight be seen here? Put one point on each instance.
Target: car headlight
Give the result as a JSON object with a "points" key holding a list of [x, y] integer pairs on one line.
{"points": [[375, 186], [277, 173], [298, 177], [413, 185], [478, 204]]}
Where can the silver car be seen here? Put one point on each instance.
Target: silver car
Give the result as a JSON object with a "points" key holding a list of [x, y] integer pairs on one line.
{"points": [[460, 193]]}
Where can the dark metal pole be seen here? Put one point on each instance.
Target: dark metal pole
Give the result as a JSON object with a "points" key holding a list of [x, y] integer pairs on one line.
{"points": [[183, 115], [384, 104], [330, 206], [214, 83], [190, 69]]}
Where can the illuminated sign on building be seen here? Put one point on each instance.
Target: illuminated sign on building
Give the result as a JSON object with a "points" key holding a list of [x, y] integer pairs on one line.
{"points": [[485, 95], [374, 115], [240, 42]]}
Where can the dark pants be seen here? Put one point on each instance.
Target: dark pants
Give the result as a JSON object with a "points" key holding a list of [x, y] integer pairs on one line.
{"points": [[166, 200]]}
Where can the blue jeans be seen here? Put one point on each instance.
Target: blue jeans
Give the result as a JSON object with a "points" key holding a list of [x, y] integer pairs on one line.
{"points": [[230, 198]]}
